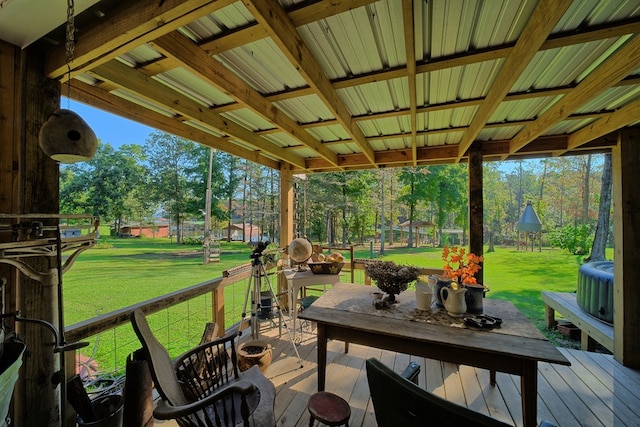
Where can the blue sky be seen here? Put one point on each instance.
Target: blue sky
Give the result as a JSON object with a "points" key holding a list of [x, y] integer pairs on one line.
{"points": [[109, 128]]}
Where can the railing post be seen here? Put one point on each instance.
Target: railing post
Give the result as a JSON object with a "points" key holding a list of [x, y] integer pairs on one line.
{"points": [[70, 371], [217, 305]]}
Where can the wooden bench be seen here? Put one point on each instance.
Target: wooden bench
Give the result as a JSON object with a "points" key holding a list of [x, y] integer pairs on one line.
{"points": [[592, 330]]}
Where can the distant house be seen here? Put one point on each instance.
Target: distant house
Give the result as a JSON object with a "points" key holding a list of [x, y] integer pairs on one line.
{"points": [[251, 233], [158, 229]]}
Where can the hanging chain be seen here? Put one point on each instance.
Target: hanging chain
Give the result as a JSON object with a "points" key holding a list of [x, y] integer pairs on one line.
{"points": [[69, 45]]}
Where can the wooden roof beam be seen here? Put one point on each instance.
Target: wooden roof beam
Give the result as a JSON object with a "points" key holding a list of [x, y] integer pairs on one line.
{"points": [[285, 35], [410, 53], [625, 116], [614, 69], [132, 25], [538, 28], [148, 88], [207, 68]]}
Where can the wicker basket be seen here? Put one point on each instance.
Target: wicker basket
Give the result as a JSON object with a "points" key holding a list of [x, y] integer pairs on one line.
{"points": [[326, 267]]}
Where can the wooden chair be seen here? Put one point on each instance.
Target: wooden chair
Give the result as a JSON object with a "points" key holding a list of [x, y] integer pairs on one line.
{"points": [[203, 387], [399, 402]]}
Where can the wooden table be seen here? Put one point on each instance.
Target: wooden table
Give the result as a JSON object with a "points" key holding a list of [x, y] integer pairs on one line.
{"points": [[346, 313], [296, 280]]}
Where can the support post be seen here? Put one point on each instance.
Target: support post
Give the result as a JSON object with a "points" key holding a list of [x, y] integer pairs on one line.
{"points": [[30, 184], [286, 222], [626, 216], [475, 203]]}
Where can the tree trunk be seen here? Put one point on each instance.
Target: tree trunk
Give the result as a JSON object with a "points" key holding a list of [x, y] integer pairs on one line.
{"points": [[602, 228], [586, 188]]}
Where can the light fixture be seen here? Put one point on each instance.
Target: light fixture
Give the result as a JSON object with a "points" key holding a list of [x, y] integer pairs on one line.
{"points": [[65, 136]]}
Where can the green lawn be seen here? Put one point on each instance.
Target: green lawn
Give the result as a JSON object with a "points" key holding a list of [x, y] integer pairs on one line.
{"points": [[121, 272]]}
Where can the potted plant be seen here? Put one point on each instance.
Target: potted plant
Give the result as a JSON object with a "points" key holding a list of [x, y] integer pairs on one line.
{"points": [[391, 278], [461, 268]]}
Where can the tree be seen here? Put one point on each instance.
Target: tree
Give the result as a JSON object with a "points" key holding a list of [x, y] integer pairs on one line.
{"points": [[493, 193], [602, 227], [102, 185], [172, 162], [414, 192], [446, 191], [230, 167]]}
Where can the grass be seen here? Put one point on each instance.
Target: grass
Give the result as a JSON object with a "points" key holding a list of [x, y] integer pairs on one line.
{"points": [[121, 272]]}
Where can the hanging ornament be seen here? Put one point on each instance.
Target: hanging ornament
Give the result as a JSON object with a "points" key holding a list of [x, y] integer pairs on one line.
{"points": [[65, 136]]}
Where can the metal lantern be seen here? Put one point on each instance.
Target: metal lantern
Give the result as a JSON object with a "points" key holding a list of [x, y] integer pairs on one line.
{"points": [[67, 138]]}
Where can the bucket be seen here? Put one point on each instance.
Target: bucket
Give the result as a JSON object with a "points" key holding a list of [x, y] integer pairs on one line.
{"points": [[424, 295], [265, 305], [10, 363], [108, 410]]}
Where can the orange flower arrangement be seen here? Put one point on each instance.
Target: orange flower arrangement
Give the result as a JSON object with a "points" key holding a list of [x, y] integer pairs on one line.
{"points": [[461, 266]]}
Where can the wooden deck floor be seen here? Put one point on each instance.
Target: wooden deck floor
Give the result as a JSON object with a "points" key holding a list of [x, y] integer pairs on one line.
{"points": [[595, 391]]}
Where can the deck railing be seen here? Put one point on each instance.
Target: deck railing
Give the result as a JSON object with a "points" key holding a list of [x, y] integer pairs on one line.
{"points": [[195, 306]]}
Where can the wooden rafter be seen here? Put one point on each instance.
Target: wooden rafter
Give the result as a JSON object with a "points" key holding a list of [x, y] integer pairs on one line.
{"points": [[284, 34], [131, 26], [625, 116], [410, 52], [201, 64], [538, 28], [614, 69]]}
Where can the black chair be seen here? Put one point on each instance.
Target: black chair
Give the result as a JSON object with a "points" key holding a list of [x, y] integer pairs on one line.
{"points": [[399, 402], [203, 387]]}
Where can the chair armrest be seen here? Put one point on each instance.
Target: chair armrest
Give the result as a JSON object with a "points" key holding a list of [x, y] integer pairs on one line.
{"points": [[165, 411], [411, 372]]}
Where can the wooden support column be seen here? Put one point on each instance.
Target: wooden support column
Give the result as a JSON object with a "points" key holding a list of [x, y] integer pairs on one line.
{"points": [[626, 218], [29, 183], [286, 220], [476, 209]]}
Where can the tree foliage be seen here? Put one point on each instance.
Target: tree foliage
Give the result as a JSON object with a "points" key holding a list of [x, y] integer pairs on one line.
{"points": [[168, 175]]}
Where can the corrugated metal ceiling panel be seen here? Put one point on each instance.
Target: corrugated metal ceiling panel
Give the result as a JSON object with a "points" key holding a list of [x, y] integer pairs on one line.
{"points": [[329, 133], [611, 99], [305, 109], [142, 54], [366, 99], [184, 81], [248, 119], [443, 138], [263, 66], [509, 111], [499, 133], [143, 102]]}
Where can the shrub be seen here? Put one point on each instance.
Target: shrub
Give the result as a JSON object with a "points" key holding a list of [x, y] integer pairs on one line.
{"points": [[575, 239]]}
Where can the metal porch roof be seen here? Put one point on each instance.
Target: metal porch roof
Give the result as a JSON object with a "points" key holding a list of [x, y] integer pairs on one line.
{"points": [[351, 84]]}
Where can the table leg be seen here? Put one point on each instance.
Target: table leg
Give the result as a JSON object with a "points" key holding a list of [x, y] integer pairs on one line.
{"points": [[322, 356], [529, 393], [292, 311]]}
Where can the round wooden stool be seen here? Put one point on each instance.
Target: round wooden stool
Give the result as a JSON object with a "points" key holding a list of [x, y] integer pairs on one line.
{"points": [[329, 409]]}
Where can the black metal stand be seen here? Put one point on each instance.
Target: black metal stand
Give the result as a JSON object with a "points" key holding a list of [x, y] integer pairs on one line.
{"points": [[253, 291]]}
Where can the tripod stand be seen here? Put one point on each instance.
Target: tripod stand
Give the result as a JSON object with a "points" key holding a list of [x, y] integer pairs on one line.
{"points": [[253, 290]]}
